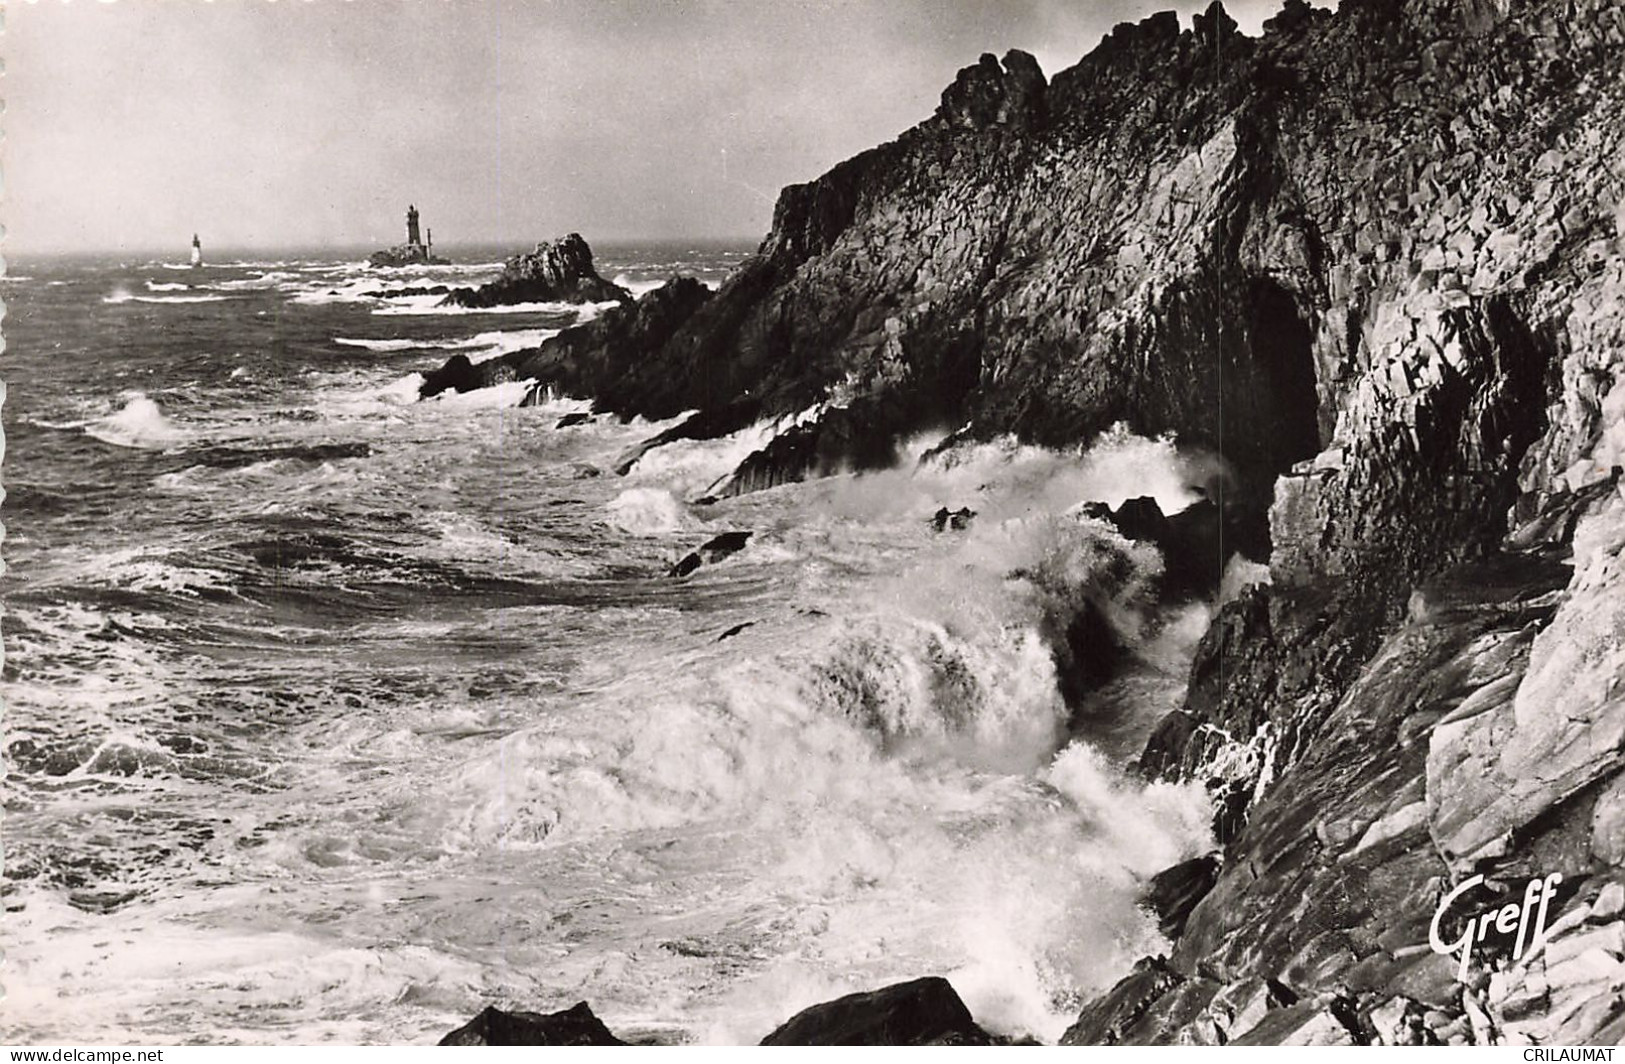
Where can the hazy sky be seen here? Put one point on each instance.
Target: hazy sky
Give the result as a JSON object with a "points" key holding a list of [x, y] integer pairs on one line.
{"points": [[129, 125]]}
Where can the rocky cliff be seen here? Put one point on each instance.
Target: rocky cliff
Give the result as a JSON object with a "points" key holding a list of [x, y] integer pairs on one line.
{"points": [[1375, 258]]}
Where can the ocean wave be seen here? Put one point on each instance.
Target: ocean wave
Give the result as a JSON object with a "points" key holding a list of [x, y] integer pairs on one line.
{"points": [[696, 467], [904, 764], [384, 345], [487, 344], [638, 287], [263, 280], [138, 424], [124, 296], [433, 305], [506, 394], [648, 512]]}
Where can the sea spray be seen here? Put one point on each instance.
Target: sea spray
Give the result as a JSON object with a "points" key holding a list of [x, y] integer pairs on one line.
{"points": [[648, 512], [894, 767], [138, 423]]}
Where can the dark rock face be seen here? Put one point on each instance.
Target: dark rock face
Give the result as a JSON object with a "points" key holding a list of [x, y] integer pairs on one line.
{"points": [[1407, 703], [558, 272], [918, 1013], [1196, 542], [575, 1026], [578, 359], [459, 374], [1174, 892], [1130, 1009], [989, 94], [712, 551]]}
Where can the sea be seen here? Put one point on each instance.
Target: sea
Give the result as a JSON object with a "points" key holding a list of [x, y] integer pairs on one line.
{"points": [[332, 715]]}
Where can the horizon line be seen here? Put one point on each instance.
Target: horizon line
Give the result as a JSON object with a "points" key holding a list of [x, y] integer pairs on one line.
{"points": [[8, 252]]}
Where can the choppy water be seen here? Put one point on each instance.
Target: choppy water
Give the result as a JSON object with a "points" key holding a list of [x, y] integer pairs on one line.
{"points": [[333, 716]]}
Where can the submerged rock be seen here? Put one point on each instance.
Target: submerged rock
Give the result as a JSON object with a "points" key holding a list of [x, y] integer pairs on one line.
{"points": [[712, 551], [575, 1026], [957, 520], [458, 374], [408, 290], [918, 1013]]}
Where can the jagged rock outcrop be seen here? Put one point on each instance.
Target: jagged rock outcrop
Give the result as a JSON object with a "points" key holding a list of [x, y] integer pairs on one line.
{"points": [[557, 272], [575, 1026], [1196, 542], [579, 358]]}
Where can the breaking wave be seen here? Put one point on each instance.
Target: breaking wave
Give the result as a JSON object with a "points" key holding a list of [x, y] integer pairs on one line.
{"points": [[139, 424]]}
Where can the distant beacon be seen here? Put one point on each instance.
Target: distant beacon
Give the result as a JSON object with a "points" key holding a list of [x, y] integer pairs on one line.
{"points": [[412, 253], [197, 251]]}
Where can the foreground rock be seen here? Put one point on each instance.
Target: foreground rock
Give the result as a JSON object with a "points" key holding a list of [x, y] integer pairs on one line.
{"points": [[575, 1026], [558, 272], [918, 1013], [1196, 543]]}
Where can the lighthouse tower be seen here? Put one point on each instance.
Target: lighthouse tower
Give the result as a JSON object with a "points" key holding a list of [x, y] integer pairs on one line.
{"points": [[412, 238]]}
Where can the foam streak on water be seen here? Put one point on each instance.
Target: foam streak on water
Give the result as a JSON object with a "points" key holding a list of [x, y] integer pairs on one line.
{"points": [[334, 715]]}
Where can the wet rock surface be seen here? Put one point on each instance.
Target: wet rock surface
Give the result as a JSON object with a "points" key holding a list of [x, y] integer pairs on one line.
{"points": [[922, 1012]]}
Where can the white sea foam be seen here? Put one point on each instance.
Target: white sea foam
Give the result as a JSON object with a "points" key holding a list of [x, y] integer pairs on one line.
{"points": [[140, 424], [435, 305], [508, 393], [638, 288], [691, 467], [485, 345], [649, 512], [901, 767], [384, 345], [122, 295]]}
